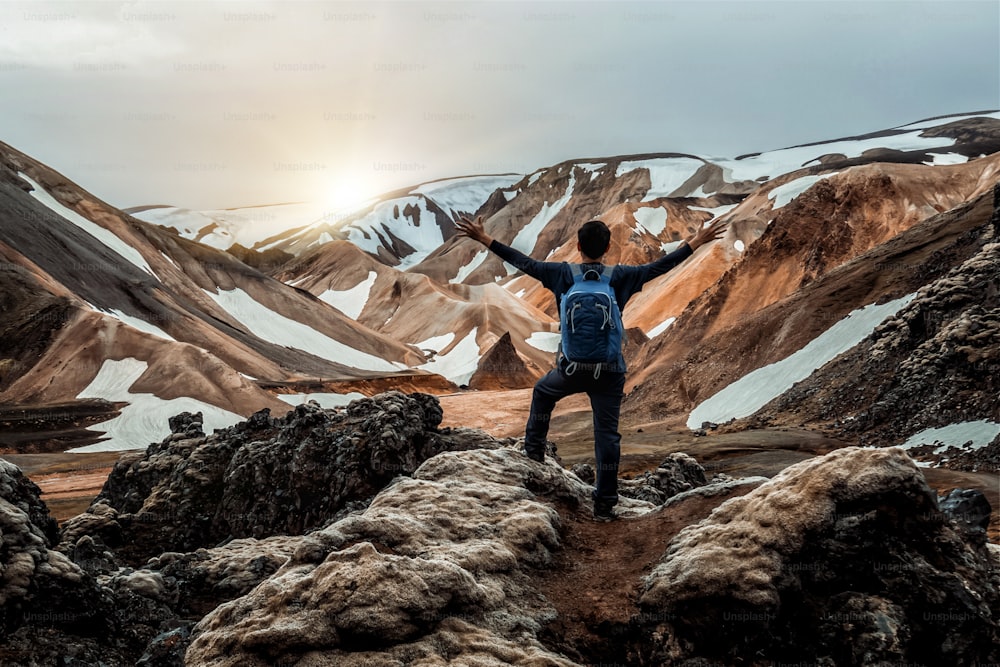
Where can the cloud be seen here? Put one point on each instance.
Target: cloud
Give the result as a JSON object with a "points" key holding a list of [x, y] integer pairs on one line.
{"points": [[206, 104], [80, 37]]}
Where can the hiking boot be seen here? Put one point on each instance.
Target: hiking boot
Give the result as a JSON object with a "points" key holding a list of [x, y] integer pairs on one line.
{"points": [[604, 512], [535, 456]]}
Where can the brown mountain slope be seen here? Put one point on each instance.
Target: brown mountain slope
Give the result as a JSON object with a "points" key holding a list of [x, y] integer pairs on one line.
{"points": [[414, 308], [933, 364], [87, 284], [175, 294], [550, 205], [833, 221], [688, 363], [632, 243]]}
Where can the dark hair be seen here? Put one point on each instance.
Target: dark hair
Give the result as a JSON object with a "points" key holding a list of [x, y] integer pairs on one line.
{"points": [[595, 238]]}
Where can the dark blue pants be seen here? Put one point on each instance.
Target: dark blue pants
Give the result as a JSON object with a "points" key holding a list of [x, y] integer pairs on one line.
{"points": [[606, 393]]}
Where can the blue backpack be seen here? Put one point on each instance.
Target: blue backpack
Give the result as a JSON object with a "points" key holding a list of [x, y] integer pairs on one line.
{"points": [[591, 321]]}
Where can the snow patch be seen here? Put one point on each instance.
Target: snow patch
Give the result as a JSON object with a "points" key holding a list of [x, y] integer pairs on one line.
{"points": [[137, 323], [275, 328], [457, 364], [660, 328], [665, 174], [528, 236], [777, 162], [545, 341], [783, 194], [247, 226], [978, 433], [351, 301], [651, 218], [102, 235], [368, 231], [467, 194], [755, 389], [739, 245], [668, 248], [144, 419], [436, 343], [946, 158], [716, 211], [186, 222], [593, 167], [466, 270]]}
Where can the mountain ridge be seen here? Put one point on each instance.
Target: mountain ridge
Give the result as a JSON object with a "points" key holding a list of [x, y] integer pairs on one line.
{"points": [[370, 305]]}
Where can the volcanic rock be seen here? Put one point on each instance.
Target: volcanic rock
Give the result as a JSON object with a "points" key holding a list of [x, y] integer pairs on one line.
{"points": [[51, 610], [187, 424], [38, 585], [970, 511], [842, 560], [677, 473], [435, 570], [468, 558], [268, 476]]}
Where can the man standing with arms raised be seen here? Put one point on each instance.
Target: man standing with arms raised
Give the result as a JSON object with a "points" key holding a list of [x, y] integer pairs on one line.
{"points": [[599, 293]]}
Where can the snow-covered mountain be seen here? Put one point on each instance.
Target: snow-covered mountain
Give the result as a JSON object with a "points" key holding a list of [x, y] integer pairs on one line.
{"points": [[831, 266], [456, 325], [224, 228], [98, 305], [102, 306], [855, 300], [795, 215], [399, 228]]}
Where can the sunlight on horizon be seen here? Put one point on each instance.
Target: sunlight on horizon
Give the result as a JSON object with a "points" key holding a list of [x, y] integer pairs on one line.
{"points": [[347, 194]]}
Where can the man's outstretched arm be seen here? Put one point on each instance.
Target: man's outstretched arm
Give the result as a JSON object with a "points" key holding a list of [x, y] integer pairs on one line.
{"points": [[704, 235], [711, 233], [634, 277], [547, 272], [474, 230]]}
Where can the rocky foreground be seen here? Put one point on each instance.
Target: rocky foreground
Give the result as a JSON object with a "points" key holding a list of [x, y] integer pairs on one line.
{"points": [[368, 535]]}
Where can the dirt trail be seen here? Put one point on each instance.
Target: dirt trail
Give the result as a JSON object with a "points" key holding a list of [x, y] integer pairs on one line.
{"points": [[595, 580]]}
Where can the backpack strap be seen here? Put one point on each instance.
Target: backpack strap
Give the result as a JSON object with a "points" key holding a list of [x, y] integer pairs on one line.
{"points": [[604, 272]]}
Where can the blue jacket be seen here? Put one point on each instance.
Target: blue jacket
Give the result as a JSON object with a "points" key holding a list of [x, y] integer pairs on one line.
{"points": [[625, 280]]}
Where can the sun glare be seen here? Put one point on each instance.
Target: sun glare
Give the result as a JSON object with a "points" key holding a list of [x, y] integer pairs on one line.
{"points": [[348, 194]]}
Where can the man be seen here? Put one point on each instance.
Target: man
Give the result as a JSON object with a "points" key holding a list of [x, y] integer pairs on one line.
{"points": [[605, 384]]}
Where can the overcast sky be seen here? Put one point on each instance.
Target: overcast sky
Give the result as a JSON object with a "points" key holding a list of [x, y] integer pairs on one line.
{"points": [[213, 105]]}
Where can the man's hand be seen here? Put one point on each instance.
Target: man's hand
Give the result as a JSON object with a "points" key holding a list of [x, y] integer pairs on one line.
{"points": [[474, 230], [705, 234]]}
